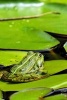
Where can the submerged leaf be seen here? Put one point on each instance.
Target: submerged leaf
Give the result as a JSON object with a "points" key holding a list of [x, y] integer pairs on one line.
{"points": [[30, 94]]}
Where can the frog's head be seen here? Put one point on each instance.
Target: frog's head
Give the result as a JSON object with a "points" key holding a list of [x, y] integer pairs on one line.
{"points": [[40, 64], [40, 60]]}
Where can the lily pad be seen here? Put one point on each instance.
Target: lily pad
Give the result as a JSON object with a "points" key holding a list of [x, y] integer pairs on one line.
{"points": [[36, 94], [28, 39], [28, 27], [32, 9], [57, 1], [14, 9], [30, 94], [55, 66], [11, 57]]}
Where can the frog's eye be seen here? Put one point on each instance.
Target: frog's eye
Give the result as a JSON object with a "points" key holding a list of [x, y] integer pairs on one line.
{"points": [[30, 52], [39, 64], [40, 54]]}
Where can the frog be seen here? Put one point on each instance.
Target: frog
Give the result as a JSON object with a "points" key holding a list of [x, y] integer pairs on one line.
{"points": [[30, 68]]}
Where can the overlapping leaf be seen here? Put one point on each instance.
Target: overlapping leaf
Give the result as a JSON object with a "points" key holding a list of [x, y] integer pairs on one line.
{"points": [[55, 66], [31, 94], [34, 94], [11, 57], [52, 22], [28, 39]]}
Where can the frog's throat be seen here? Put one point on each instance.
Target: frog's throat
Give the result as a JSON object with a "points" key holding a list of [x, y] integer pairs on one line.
{"points": [[22, 64]]}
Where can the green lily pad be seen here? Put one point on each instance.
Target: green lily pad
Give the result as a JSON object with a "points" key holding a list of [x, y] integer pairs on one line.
{"points": [[11, 57], [57, 1], [43, 23], [28, 39], [32, 25], [36, 94], [30, 94], [55, 66], [14, 9], [55, 23], [56, 81]]}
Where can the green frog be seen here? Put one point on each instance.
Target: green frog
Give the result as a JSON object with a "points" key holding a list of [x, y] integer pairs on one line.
{"points": [[30, 68]]}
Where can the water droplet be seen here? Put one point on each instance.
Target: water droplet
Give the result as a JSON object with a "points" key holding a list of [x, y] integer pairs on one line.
{"points": [[27, 21], [18, 42], [10, 25]]}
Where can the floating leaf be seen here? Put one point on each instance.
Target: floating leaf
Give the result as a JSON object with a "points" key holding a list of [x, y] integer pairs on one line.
{"points": [[44, 23], [36, 95], [14, 9], [30, 94], [11, 57], [55, 66], [57, 1], [28, 39]]}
